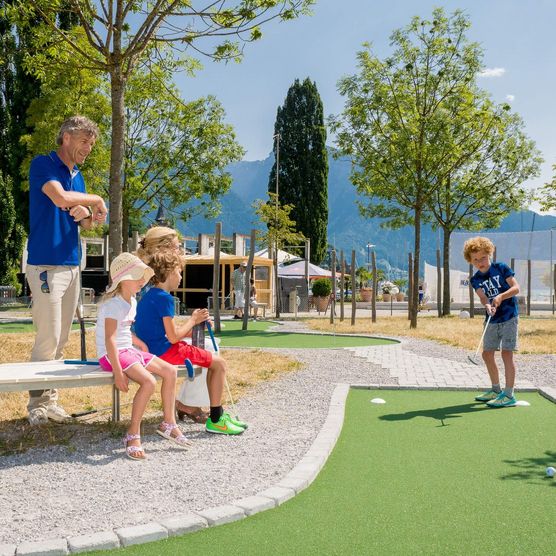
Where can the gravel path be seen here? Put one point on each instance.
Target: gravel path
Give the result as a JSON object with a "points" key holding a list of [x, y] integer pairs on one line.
{"points": [[89, 486]]}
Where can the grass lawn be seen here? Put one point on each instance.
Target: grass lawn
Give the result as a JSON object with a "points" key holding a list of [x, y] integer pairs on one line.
{"points": [[18, 327], [258, 336], [425, 473]]}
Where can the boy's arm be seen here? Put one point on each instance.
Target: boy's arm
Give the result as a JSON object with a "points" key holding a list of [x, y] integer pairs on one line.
{"points": [[514, 290], [485, 301], [110, 329], [175, 333]]}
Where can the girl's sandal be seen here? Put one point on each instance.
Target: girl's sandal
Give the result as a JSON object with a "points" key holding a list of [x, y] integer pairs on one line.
{"points": [[134, 452], [166, 430]]}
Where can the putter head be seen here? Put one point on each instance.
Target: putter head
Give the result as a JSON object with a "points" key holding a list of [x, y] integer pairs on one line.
{"points": [[473, 360]]}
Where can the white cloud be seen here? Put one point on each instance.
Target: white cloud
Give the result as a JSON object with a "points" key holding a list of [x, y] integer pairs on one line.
{"points": [[510, 98], [492, 72]]}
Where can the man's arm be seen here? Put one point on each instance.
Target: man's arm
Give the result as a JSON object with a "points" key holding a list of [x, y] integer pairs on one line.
{"points": [[77, 203]]}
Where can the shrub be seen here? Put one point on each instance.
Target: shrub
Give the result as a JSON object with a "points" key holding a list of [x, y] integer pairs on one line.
{"points": [[322, 287]]}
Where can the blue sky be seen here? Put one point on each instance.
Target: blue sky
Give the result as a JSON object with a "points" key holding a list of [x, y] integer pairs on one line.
{"points": [[517, 38]]}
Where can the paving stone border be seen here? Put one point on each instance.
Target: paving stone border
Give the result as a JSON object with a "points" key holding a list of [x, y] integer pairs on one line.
{"points": [[299, 478]]}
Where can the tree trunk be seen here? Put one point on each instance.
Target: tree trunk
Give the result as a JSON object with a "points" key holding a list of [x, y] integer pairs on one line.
{"points": [[415, 291], [446, 300], [125, 228], [117, 82]]}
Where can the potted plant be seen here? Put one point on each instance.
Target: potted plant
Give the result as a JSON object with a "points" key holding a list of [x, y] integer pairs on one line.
{"points": [[401, 283], [365, 279], [387, 288], [322, 288]]}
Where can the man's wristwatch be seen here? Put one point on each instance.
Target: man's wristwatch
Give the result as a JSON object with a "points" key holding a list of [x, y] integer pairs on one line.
{"points": [[90, 212]]}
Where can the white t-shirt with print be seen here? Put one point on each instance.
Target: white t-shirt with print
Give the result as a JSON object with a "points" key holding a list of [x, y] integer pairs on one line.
{"points": [[119, 309]]}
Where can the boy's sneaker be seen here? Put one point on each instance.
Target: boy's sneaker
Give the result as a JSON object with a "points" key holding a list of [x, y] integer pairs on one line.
{"points": [[236, 422], [487, 396], [222, 426], [502, 400]]}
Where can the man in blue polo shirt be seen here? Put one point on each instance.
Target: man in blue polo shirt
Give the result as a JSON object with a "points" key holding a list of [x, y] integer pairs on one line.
{"points": [[58, 205]]}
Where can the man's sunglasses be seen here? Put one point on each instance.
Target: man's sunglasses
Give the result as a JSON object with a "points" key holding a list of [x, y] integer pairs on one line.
{"points": [[43, 277]]}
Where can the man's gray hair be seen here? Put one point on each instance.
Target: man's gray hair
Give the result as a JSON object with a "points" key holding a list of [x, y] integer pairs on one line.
{"points": [[78, 124]]}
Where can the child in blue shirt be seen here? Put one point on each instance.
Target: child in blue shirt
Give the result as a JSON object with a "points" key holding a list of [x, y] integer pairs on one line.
{"points": [[496, 286]]}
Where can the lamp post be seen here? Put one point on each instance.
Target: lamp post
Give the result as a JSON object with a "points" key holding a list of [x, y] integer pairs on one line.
{"points": [[276, 137]]}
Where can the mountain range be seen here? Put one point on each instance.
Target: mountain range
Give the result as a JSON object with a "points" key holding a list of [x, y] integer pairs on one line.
{"points": [[347, 229]]}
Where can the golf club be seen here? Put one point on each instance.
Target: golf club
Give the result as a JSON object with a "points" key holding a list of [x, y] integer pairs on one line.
{"points": [[81, 362], [215, 346], [99, 410], [473, 358], [79, 308]]}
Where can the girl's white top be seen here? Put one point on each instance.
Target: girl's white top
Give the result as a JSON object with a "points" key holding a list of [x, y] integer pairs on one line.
{"points": [[119, 309]]}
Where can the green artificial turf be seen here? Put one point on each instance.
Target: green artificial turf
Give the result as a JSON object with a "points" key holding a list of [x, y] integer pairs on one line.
{"points": [[425, 473], [18, 327], [258, 335]]}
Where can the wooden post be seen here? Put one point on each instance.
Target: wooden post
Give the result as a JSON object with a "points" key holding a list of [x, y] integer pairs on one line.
{"points": [[528, 287], [553, 288], [375, 287], [333, 297], [247, 289], [410, 284], [353, 305], [471, 294], [342, 279], [216, 277], [439, 293]]}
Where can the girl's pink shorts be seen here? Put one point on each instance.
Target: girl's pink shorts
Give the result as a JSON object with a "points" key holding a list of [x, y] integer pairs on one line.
{"points": [[128, 357]]}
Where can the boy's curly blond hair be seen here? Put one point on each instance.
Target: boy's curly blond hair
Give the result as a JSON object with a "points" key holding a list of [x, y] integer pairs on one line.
{"points": [[163, 263], [476, 244], [156, 239]]}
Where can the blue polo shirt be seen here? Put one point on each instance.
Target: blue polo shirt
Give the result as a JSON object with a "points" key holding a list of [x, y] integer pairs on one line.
{"points": [[149, 326], [53, 234], [493, 282]]}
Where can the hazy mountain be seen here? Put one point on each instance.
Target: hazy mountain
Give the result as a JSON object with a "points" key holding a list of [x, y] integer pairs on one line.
{"points": [[347, 230]]}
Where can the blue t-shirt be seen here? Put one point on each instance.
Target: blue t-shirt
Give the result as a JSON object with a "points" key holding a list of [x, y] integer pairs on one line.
{"points": [[149, 327], [493, 282], [53, 234]]}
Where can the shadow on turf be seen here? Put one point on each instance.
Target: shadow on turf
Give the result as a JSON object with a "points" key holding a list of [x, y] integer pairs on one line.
{"points": [[532, 469], [439, 414]]}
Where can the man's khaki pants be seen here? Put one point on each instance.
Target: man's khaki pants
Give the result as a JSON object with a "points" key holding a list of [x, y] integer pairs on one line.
{"points": [[53, 314]]}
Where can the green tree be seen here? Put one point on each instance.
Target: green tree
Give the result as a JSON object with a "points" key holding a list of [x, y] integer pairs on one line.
{"points": [[303, 163], [547, 194], [487, 161], [396, 115], [12, 232], [123, 36], [280, 230]]}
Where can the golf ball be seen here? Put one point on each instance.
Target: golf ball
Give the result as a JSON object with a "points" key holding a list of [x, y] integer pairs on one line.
{"points": [[550, 471]]}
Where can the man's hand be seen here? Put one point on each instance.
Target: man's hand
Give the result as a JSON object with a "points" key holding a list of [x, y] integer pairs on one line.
{"points": [[99, 211], [79, 212]]}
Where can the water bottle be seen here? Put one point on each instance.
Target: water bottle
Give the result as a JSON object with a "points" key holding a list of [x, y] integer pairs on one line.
{"points": [[198, 335]]}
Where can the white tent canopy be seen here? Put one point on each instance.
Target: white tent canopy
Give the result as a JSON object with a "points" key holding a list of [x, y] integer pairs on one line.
{"points": [[283, 256], [298, 269]]}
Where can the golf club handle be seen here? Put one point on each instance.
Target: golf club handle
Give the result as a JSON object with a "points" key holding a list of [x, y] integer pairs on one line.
{"points": [[211, 334], [83, 413], [81, 362]]}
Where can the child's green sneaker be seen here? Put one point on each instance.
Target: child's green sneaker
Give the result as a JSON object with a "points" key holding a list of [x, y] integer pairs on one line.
{"points": [[487, 396], [502, 400], [222, 426], [236, 422]]}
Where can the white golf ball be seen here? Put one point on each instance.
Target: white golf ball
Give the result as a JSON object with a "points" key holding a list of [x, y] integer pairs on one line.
{"points": [[550, 471], [377, 400]]}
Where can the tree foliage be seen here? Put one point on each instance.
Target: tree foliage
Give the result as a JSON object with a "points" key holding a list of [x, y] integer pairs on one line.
{"points": [[303, 163], [420, 133], [122, 36], [547, 194]]}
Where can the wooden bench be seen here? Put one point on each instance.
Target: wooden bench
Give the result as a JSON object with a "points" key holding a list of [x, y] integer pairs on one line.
{"points": [[43, 375]]}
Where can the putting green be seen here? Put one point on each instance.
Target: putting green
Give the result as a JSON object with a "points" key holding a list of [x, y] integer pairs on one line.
{"points": [[258, 335], [425, 473]]}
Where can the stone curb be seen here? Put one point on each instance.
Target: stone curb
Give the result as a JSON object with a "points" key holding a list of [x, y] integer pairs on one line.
{"points": [[299, 478]]}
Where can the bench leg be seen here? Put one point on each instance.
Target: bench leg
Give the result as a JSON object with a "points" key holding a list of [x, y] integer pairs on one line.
{"points": [[115, 404]]}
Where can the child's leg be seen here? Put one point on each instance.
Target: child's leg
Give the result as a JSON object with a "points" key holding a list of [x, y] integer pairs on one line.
{"points": [[509, 370], [147, 385], [168, 374], [215, 380], [492, 368]]}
